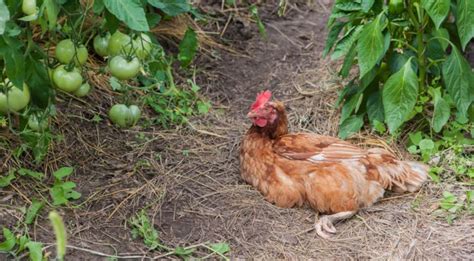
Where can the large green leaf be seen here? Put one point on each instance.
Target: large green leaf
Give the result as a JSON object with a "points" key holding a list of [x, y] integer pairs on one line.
{"points": [[441, 111], [370, 46], [399, 96], [14, 60], [437, 10], [465, 21], [4, 16], [457, 75], [130, 12], [350, 125], [171, 7]]}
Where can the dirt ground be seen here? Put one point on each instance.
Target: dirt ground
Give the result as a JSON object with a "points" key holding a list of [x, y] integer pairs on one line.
{"points": [[188, 179]]}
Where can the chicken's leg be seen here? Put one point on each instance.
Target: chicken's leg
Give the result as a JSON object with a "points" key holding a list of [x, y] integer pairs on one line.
{"points": [[325, 224]]}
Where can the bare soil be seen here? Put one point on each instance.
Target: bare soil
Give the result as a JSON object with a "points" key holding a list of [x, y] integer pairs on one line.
{"points": [[188, 178]]}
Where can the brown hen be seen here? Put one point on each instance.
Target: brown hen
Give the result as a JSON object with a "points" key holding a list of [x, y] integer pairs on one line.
{"points": [[335, 177]]}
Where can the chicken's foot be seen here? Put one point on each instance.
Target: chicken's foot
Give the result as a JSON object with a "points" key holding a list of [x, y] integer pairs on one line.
{"points": [[325, 224]]}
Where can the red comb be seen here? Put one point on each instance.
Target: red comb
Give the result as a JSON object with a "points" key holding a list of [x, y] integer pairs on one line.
{"points": [[262, 98]]}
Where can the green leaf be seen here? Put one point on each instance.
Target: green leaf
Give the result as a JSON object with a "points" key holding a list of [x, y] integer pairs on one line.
{"points": [[370, 46], [63, 172], [14, 60], [334, 32], [58, 195], [375, 108], [171, 7], [98, 6], [441, 111], [188, 47], [465, 21], [457, 77], [203, 107], [367, 5], [350, 126], [130, 12], [33, 210], [350, 106], [399, 96], [4, 16], [437, 10], [9, 242], [348, 6], [345, 43], [220, 248], [30, 173], [36, 250], [52, 10], [348, 62], [415, 138], [442, 33], [6, 180]]}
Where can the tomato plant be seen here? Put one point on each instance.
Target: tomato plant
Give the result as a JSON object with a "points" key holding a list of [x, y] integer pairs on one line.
{"points": [[67, 51], [51, 54], [67, 80], [123, 68]]}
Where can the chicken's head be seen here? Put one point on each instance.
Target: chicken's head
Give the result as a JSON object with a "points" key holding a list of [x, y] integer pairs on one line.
{"points": [[262, 111]]}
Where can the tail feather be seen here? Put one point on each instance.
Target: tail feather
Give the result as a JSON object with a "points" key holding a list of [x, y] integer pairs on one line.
{"points": [[396, 175]]}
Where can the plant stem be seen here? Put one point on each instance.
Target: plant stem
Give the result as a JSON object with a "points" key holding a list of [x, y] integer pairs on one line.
{"points": [[419, 25]]}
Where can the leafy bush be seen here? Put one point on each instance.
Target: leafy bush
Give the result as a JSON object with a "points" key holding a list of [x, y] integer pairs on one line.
{"points": [[409, 59]]}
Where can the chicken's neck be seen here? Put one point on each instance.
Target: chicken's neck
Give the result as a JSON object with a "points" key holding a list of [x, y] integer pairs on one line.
{"points": [[274, 130]]}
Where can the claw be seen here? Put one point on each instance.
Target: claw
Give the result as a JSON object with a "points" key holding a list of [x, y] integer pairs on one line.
{"points": [[320, 231], [324, 226]]}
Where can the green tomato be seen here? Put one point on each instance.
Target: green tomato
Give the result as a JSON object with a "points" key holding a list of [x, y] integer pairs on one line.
{"points": [[396, 7], [15, 99], [135, 114], [29, 7], [101, 44], [67, 81], [119, 43], [66, 52], [120, 115], [142, 45], [123, 69], [83, 90], [35, 123]]}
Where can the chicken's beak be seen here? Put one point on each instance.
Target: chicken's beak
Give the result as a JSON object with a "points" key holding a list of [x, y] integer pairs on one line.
{"points": [[252, 114]]}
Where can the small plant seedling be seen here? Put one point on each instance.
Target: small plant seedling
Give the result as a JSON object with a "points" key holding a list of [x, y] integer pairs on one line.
{"points": [[143, 228], [63, 191]]}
